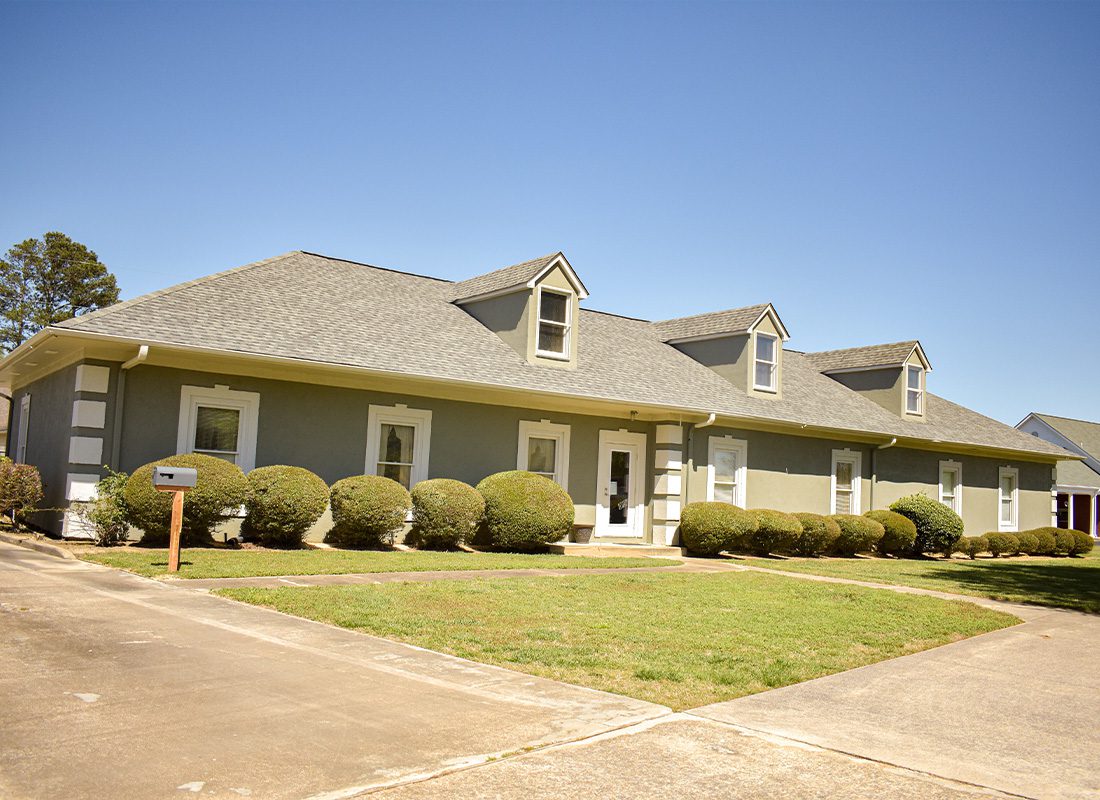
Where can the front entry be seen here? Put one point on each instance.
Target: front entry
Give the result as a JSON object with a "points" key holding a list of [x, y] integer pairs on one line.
{"points": [[620, 485]]}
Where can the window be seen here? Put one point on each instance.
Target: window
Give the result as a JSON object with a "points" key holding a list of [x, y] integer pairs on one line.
{"points": [[951, 485], [914, 390], [1008, 482], [767, 359], [24, 429], [847, 471], [544, 450], [219, 422], [727, 470], [555, 311], [398, 440]]}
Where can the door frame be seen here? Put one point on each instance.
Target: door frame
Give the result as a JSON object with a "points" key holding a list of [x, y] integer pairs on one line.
{"points": [[610, 440]]}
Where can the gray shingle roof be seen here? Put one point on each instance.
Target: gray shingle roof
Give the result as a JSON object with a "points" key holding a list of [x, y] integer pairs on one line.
{"points": [[311, 307], [734, 320], [1082, 433], [506, 278], [876, 355]]}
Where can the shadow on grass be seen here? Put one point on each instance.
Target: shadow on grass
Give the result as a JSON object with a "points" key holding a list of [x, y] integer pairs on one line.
{"points": [[1070, 583]]}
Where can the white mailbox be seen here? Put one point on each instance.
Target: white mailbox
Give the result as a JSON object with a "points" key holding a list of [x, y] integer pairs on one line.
{"points": [[176, 479]]}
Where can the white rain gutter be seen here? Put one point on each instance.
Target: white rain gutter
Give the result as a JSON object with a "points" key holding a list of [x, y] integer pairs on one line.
{"points": [[710, 421], [142, 354]]}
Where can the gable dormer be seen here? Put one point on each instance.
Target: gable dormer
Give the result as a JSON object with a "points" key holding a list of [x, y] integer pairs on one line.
{"points": [[533, 307], [892, 375], [743, 345]]}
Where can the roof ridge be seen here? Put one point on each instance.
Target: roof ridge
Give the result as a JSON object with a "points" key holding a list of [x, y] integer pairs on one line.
{"points": [[134, 301], [1067, 419], [375, 266], [863, 347], [711, 313], [510, 266]]}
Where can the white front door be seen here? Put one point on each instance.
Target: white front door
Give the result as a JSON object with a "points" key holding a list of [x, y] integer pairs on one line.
{"points": [[620, 485]]}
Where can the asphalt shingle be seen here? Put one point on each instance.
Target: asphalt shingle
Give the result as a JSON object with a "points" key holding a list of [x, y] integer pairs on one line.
{"points": [[734, 320], [876, 355]]}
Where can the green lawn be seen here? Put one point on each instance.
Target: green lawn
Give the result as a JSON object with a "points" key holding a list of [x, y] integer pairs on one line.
{"points": [[221, 563], [1064, 582], [676, 639]]}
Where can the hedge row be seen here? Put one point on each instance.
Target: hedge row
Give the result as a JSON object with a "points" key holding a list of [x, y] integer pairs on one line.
{"points": [[1036, 542], [512, 510]]}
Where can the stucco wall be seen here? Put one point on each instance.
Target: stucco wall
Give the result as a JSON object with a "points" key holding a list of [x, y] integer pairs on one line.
{"points": [[882, 386], [506, 316], [727, 356]]}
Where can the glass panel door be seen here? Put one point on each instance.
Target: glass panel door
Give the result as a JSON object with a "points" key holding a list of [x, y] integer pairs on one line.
{"points": [[619, 488]]}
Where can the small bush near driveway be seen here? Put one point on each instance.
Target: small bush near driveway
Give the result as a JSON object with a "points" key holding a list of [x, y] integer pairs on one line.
{"points": [[899, 533], [776, 532], [367, 511], [1001, 543], [819, 534], [283, 504], [857, 534], [708, 528], [938, 527], [525, 511], [446, 513]]}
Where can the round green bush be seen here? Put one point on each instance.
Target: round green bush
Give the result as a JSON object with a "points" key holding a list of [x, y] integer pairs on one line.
{"points": [[775, 532], [20, 489], [938, 527], [1044, 538], [1028, 542], [446, 513], [1082, 543], [900, 533], [1001, 543], [707, 529], [819, 533], [525, 511], [857, 534], [1063, 542], [970, 546], [221, 489], [283, 504], [367, 510]]}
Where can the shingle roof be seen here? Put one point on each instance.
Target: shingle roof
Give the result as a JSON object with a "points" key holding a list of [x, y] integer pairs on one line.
{"points": [[319, 309], [1077, 473], [1082, 433], [506, 278], [734, 320], [876, 355]]}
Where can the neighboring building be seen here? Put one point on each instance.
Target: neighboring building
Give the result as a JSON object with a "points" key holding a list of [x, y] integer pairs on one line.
{"points": [[346, 368], [1078, 482]]}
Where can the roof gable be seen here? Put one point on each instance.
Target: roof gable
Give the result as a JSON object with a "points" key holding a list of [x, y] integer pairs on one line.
{"points": [[714, 324], [518, 276]]}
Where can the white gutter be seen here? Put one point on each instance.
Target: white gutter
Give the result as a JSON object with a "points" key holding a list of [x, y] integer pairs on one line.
{"points": [[710, 421], [142, 354], [888, 445]]}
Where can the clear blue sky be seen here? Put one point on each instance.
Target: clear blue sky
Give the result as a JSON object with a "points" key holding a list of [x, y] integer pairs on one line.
{"points": [[878, 171]]}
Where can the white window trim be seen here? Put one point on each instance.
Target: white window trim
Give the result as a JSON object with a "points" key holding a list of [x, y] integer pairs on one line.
{"points": [[958, 470], [1014, 524], [545, 429], [418, 419], [757, 360], [22, 433], [855, 458], [247, 403], [741, 448], [567, 339], [919, 390]]}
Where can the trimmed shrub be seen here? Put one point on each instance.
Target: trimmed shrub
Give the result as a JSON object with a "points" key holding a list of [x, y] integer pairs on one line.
{"points": [[1063, 542], [775, 531], [900, 533], [1001, 543], [283, 504], [938, 527], [1044, 539], [971, 546], [857, 534], [1028, 542], [367, 511], [20, 489], [525, 511], [819, 534], [446, 513], [107, 518], [1082, 543], [222, 488], [707, 529]]}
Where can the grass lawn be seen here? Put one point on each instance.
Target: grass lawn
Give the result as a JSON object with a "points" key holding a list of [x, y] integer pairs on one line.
{"points": [[675, 639], [221, 563], [1063, 582]]}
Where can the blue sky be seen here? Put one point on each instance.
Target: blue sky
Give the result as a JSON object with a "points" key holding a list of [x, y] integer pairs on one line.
{"points": [[878, 171]]}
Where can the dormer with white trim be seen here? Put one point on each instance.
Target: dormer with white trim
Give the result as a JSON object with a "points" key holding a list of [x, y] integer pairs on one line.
{"points": [[743, 345], [533, 307], [892, 375]]}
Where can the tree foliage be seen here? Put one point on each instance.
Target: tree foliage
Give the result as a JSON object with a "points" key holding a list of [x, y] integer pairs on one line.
{"points": [[46, 281]]}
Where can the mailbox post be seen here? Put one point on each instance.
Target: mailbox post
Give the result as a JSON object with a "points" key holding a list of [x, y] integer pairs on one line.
{"points": [[178, 481]]}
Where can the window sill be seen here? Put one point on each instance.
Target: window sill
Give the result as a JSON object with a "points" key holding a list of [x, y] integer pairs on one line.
{"points": [[553, 356], [768, 389]]}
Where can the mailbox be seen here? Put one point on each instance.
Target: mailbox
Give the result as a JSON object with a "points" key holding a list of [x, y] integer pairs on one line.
{"points": [[178, 479]]}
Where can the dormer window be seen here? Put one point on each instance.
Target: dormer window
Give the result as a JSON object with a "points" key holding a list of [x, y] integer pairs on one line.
{"points": [[764, 371], [914, 390], [554, 323]]}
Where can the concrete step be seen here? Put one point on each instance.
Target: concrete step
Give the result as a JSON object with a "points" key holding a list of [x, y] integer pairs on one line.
{"points": [[614, 550]]}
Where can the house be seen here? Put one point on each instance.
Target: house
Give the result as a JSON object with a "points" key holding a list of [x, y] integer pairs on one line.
{"points": [[346, 368], [1078, 482]]}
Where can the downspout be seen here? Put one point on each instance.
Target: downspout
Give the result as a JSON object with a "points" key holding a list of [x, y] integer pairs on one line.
{"points": [[874, 467], [7, 430], [688, 456], [120, 394]]}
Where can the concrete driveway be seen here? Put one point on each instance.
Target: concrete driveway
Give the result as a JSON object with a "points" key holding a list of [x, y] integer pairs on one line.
{"points": [[117, 686]]}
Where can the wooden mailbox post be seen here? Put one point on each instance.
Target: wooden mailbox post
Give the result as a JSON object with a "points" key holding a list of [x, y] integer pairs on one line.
{"points": [[178, 481]]}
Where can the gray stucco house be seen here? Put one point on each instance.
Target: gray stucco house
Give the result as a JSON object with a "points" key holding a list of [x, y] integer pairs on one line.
{"points": [[346, 368]]}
